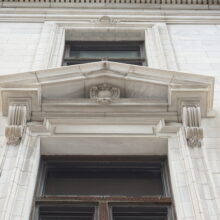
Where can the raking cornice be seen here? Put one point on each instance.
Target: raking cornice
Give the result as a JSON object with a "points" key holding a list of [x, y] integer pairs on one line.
{"points": [[143, 91]]}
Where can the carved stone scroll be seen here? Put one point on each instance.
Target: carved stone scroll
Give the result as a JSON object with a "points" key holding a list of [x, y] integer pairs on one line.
{"points": [[17, 115], [104, 93], [191, 118]]}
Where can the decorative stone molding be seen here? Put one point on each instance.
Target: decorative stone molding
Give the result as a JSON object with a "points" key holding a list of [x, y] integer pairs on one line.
{"points": [[104, 93], [132, 90], [29, 97], [17, 116], [105, 20], [198, 4], [191, 118]]}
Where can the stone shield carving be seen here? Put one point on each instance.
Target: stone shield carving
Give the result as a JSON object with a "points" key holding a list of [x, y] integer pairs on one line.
{"points": [[104, 93]]}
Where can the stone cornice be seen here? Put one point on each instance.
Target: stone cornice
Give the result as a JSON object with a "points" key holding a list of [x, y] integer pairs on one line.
{"points": [[76, 72], [123, 17], [148, 4], [144, 91]]}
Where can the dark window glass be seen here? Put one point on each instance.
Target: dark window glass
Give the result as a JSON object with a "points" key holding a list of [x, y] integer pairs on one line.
{"points": [[66, 213], [103, 188], [131, 52], [95, 53], [137, 179], [139, 213]]}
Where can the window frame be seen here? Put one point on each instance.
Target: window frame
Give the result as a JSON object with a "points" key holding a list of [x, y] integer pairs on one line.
{"points": [[67, 58], [61, 204], [102, 204], [132, 205]]}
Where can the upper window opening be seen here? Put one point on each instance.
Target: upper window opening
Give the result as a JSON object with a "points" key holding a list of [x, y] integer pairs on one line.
{"points": [[79, 52], [97, 188], [106, 178]]}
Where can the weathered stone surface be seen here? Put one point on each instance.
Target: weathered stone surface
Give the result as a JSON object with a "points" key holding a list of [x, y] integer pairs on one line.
{"points": [[17, 116]]}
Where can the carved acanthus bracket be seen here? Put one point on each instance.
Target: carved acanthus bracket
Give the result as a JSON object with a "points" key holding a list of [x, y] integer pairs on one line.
{"points": [[191, 118], [104, 93], [17, 116]]}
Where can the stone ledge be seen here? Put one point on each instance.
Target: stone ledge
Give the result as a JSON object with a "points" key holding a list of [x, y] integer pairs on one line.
{"points": [[151, 4]]}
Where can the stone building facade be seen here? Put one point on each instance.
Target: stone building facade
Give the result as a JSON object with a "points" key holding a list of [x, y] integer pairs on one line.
{"points": [[169, 107]]}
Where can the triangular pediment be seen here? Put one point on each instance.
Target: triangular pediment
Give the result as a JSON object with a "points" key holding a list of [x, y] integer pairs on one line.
{"points": [[139, 86]]}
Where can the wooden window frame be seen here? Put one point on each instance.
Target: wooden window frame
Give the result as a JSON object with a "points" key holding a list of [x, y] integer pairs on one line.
{"points": [[68, 59], [103, 204]]}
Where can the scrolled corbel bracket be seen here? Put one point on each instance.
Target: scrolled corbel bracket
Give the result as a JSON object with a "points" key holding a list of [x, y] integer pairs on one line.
{"points": [[191, 119], [17, 117]]}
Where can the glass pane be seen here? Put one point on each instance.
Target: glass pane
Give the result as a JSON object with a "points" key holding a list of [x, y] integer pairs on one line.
{"points": [[139, 213], [66, 218], [105, 54], [136, 62], [104, 181], [66, 213], [139, 218]]}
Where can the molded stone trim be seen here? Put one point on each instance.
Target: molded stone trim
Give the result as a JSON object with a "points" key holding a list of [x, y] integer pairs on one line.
{"points": [[156, 4], [81, 18], [17, 117], [172, 90], [156, 38], [191, 118]]}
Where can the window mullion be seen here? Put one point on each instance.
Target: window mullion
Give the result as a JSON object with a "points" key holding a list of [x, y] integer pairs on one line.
{"points": [[103, 211]]}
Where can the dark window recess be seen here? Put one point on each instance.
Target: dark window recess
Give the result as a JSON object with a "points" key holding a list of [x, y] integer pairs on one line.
{"points": [[103, 188], [140, 213], [60, 212], [131, 52], [137, 179]]}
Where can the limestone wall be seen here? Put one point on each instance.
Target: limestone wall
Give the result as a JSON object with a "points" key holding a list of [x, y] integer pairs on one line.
{"points": [[196, 49], [18, 43]]}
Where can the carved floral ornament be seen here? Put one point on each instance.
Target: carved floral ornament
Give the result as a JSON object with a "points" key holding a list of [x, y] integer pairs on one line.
{"points": [[104, 93], [191, 118]]}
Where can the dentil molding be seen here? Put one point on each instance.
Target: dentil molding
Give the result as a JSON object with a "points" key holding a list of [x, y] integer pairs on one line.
{"points": [[156, 4]]}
